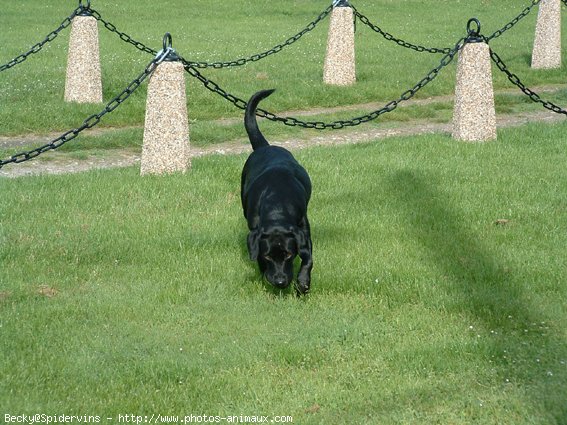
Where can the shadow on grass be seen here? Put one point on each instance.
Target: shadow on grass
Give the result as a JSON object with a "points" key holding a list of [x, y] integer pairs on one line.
{"points": [[492, 294]]}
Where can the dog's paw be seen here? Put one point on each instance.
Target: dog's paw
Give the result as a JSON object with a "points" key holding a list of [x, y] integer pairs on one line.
{"points": [[302, 288]]}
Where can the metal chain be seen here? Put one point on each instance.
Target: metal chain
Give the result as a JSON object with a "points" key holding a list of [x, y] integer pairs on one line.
{"points": [[38, 46], [191, 68], [238, 62], [141, 46], [419, 48], [93, 120], [357, 15], [399, 41], [514, 79], [319, 125], [273, 50], [123, 36], [517, 19]]}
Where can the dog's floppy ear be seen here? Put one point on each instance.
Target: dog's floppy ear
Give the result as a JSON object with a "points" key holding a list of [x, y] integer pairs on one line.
{"points": [[254, 244]]}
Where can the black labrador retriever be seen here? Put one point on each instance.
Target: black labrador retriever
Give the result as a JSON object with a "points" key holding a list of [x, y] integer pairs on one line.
{"points": [[275, 192]]}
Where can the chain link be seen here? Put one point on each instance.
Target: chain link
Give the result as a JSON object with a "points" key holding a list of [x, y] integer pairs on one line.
{"points": [[38, 46], [256, 57], [517, 19], [91, 121], [419, 48], [238, 62], [191, 68], [514, 79], [320, 125], [399, 41], [123, 36], [273, 50]]}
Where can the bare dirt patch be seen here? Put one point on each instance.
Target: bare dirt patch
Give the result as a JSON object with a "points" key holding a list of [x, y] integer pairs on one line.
{"points": [[47, 291]]}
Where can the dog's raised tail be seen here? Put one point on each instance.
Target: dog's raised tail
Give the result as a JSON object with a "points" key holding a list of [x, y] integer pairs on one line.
{"points": [[256, 137]]}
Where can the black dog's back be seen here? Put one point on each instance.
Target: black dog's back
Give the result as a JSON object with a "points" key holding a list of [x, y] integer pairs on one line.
{"points": [[267, 160]]}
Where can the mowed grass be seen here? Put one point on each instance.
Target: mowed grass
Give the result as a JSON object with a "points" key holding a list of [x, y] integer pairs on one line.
{"points": [[439, 282], [438, 291], [218, 30]]}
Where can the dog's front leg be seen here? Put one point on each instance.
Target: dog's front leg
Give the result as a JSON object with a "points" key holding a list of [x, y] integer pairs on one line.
{"points": [[304, 275], [306, 255]]}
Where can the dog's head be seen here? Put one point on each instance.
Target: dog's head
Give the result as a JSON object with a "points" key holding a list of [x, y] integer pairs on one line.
{"points": [[275, 249]]}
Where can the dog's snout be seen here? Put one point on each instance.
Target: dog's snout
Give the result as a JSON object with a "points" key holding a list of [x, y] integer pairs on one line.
{"points": [[280, 282]]}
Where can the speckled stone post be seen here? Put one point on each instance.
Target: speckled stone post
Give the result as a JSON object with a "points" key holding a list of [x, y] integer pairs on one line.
{"points": [[83, 83], [546, 52], [166, 129], [339, 68], [474, 117]]}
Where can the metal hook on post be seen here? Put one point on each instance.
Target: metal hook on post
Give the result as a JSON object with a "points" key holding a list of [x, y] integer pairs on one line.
{"points": [[85, 10], [167, 53], [341, 3], [474, 34]]}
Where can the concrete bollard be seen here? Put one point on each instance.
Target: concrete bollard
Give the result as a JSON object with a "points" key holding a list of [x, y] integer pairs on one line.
{"points": [[165, 148], [339, 68], [546, 53], [474, 116], [83, 82]]}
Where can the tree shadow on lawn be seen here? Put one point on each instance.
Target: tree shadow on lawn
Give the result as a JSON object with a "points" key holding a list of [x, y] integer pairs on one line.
{"points": [[492, 294]]}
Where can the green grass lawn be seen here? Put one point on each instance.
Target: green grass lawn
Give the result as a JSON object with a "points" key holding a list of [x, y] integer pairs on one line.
{"points": [[218, 30], [438, 291]]}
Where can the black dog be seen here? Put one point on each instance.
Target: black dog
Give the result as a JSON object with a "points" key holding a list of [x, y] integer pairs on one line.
{"points": [[275, 192]]}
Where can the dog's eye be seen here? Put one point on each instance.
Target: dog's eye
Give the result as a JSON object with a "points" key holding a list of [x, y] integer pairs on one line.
{"points": [[288, 255], [267, 257]]}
